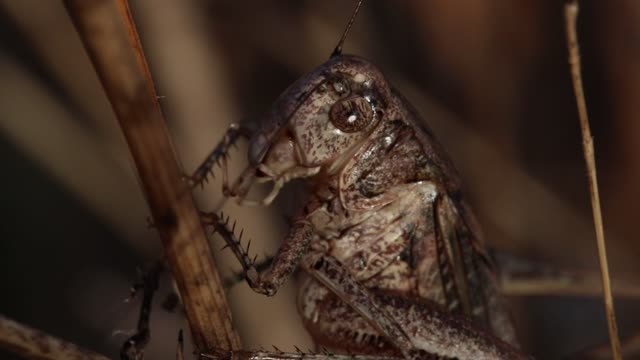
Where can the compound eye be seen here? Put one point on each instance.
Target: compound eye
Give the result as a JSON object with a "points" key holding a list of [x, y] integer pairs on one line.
{"points": [[352, 114]]}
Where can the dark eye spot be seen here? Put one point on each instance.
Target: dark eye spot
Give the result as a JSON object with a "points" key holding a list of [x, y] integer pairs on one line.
{"points": [[351, 114]]}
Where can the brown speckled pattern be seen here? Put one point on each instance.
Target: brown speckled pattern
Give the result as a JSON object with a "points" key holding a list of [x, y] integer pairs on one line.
{"points": [[386, 205]]}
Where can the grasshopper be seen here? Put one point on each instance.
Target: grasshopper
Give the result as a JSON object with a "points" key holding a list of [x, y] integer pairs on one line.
{"points": [[394, 262]]}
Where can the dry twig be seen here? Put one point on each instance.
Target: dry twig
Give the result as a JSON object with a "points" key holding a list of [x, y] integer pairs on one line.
{"points": [[566, 283], [34, 344], [571, 14], [109, 35]]}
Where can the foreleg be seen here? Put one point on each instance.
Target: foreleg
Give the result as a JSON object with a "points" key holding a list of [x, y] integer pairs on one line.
{"points": [[219, 156]]}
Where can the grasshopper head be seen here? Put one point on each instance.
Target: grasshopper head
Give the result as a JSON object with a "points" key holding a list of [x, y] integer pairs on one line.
{"points": [[320, 120]]}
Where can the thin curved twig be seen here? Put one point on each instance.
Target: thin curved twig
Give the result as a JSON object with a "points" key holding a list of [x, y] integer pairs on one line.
{"points": [[571, 14]]}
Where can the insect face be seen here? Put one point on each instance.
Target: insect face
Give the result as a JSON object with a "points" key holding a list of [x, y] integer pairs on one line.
{"points": [[320, 120]]}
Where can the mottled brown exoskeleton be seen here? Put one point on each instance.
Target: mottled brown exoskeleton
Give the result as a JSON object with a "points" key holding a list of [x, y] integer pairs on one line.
{"points": [[394, 262]]}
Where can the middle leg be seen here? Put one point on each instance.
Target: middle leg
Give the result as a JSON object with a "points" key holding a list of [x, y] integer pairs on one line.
{"points": [[286, 260]]}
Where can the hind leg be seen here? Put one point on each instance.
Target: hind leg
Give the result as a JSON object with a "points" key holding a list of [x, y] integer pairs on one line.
{"points": [[415, 328], [280, 355]]}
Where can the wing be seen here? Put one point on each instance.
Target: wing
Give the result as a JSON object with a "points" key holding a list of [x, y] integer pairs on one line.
{"points": [[466, 271]]}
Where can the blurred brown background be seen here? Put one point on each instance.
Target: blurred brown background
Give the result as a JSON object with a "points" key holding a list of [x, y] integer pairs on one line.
{"points": [[489, 76]]}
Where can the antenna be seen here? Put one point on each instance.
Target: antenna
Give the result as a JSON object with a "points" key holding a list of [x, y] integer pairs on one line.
{"points": [[338, 50]]}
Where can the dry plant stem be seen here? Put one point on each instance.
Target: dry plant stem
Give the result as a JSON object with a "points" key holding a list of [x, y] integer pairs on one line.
{"points": [[571, 14], [34, 344], [109, 36], [519, 276], [569, 284]]}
